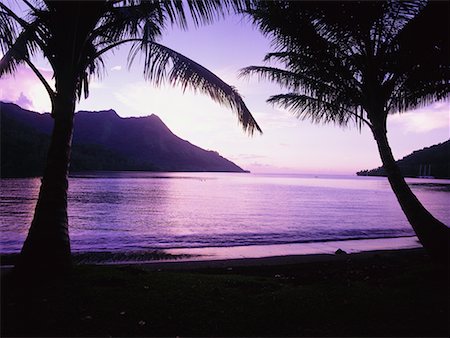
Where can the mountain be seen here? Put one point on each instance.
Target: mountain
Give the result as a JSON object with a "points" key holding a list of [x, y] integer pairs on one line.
{"points": [[431, 161], [101, 141]]}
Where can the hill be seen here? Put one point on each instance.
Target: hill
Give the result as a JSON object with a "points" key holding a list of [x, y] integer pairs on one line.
{"points": [[102, 141], [431, 161]]}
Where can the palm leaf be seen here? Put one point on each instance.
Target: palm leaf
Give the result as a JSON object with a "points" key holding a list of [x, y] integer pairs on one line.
{"points": [[109, 24], [288, 79], [164, 65], [387, 54], [315, 109], [18, 51], [421, 60], [146, 19]]}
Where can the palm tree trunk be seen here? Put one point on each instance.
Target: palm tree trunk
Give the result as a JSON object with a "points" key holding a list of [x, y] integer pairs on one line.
{"points": [[47, 247], [433, 234]]}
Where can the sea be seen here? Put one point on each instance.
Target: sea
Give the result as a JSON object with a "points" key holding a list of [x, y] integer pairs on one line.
{"points": [[184, 212]]}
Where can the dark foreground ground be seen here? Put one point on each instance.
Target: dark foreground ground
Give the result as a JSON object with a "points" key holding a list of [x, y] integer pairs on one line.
{"points": [[397, 293]]}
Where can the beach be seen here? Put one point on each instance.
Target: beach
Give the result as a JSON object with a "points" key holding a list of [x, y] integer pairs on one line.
{"points": [[292, 256], [374, 293]]}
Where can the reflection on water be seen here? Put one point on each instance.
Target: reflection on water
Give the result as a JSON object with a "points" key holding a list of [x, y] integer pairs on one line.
{"points": [[139, 211]]}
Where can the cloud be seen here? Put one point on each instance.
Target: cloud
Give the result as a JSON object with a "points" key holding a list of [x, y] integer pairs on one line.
{"points": [[249, 157], [116, 68], [25, 89], [24, 102], [143, 99], [264, 168], [423, 120]]}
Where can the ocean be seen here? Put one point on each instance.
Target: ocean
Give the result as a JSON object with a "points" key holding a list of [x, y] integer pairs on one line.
{"points": [[142, 211]]}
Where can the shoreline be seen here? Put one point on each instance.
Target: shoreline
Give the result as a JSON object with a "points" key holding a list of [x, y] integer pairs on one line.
{"points": [[239, 265], [296, 249], [210, 256]]}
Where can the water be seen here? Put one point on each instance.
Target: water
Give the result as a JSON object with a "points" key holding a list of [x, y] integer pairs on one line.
{"points": [[147, 211]]}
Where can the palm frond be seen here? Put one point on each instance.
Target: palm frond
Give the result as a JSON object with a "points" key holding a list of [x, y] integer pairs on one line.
{"points": [[202, 11], [15, 53], [303, 81], [397, 16], [352, 57], [18, 48], [92, 66], [73, 36], [147, 19], [314, 109], [8, 33], [137, 20], [418, 95], [164, 65], [174, 12], [342, 71], [302, 43], [206, 11], [295, 81], [421, 60]]}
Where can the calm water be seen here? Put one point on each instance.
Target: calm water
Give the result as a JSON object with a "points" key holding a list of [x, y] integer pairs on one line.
{"points": [[140, 211]]}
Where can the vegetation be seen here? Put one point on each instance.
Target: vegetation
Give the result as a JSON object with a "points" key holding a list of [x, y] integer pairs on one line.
{"points": [[345, 62], [24, 150], [74, 37], [434, 158], [391, 294], [126, 144]]}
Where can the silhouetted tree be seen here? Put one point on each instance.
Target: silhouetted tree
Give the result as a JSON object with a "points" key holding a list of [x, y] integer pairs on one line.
{"points": [[74, 36], [359, 62]]}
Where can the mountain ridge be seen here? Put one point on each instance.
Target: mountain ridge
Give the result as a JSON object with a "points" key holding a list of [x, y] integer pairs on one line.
{"points": [[102, 140]]}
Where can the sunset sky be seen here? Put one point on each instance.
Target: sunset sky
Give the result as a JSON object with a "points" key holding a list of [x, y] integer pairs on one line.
{"points": [[287, 145]]}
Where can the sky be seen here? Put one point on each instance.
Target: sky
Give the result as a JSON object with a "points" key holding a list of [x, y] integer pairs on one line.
{"points": [[287, 144]]}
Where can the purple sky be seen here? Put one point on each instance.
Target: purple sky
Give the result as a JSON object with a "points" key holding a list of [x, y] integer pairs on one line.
{"points": [[287, 145]]}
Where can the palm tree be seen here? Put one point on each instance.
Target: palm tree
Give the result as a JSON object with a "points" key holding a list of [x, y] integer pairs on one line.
{"points": [[345, 62], [74, 36]]}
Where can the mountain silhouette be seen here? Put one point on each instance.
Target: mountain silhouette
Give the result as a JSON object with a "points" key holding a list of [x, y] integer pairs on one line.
{"points": [[102, 141]]}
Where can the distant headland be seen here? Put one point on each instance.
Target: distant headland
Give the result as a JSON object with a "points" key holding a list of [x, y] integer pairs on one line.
{"points": [[430, 162]]}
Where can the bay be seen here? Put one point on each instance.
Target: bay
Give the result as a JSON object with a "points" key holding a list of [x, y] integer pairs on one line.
{"points": [[133, 211]]}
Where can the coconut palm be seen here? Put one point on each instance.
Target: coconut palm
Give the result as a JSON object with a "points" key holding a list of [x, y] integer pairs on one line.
{"points": [[74, 36], [359, 62]]}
